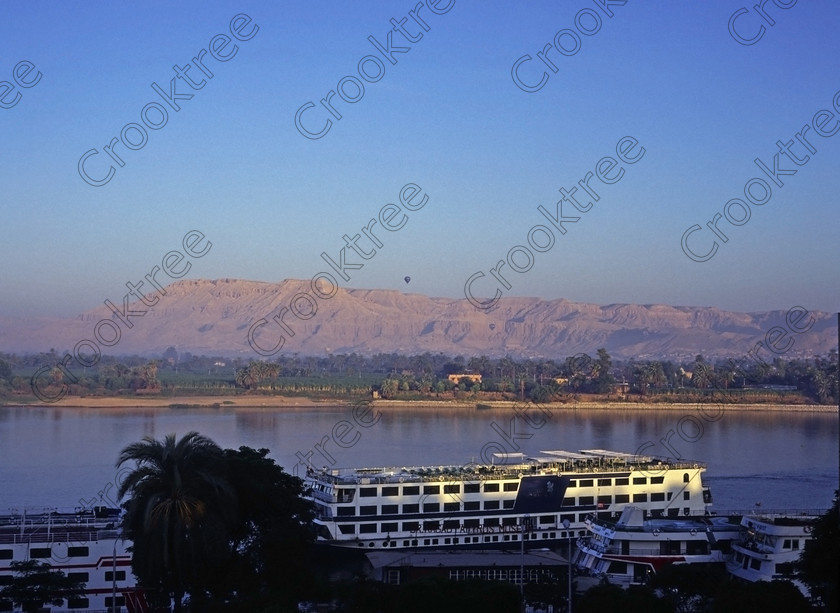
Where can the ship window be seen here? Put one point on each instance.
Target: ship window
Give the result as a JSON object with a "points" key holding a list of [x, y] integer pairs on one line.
{"points": [[604, 482], [472, 506], [618, 568], [491, 487], [411, 508], [109, 601], [367, 528], [685, 477], [491, 521], [585, 483], [568, 502], [511, 487], [109, 575], [6, 554], [451, 507], [431, 489], [573, 483], [78, 603], [567, 516], [347, 528], [639, 480], [367, 492], [346, 511], [388, 509], [795, 543], [639, 497], [472, 488], [40, 552], [657, 480], [670, 494], [451, 524], [508, 504], [367, 510], [411, 490], [622, 481], [391, 491], [426, 541], [586, 500], [622, 498], [470, 523], [491, 505], [77, 552], [673, 512], [546, 519], [431, 526], [390, 526], [451, 489], [686, 495], [657, 497], [508, 521], [755, 564], [604, 500], [431, 507], [411, 526]]}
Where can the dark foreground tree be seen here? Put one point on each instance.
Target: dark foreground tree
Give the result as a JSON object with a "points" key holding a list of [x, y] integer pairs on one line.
{"points": [[180, 514], [36, 585], [819, 563], [272, 537], [609, 597], [760, 597]]}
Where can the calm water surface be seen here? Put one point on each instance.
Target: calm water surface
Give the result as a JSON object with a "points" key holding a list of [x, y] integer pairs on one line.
{"points": [[62, 456]]}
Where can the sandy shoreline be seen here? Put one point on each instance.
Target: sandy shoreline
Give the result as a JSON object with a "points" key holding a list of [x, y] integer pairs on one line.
{"points": [[281, 402]]}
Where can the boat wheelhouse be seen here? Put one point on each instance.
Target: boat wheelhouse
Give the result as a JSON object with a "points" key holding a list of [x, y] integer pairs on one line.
{"points": [[85, 544], [630, 550], [540, 499]]}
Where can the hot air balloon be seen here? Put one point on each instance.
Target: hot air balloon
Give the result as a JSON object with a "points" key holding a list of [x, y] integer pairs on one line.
{"points": [[407, 279]]}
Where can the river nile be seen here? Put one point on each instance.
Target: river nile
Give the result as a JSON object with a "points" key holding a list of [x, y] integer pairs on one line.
{"points": [[61, 457]]}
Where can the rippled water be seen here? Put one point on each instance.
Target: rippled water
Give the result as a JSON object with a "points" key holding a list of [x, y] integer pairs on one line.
{"points": [[62, 456]]}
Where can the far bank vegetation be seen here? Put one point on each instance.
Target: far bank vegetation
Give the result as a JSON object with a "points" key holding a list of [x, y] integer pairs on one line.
{"points": [[435, 376]]}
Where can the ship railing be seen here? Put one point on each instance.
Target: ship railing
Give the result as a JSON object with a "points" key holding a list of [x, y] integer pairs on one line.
{"points": [[57, 536], [385, 475], [633, 551], [774, 515]]}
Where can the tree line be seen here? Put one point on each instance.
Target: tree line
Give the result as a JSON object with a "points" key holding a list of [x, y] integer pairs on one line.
{"points": [[395, 375]]}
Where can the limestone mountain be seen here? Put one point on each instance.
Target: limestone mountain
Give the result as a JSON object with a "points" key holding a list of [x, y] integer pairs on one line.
{"points": [[212, 317]]}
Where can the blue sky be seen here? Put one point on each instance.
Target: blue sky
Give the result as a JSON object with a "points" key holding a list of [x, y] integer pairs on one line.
{"points": [[447, 117]]}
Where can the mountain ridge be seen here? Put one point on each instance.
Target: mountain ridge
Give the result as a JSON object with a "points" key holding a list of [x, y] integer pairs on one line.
{"points": [[213, 317]]}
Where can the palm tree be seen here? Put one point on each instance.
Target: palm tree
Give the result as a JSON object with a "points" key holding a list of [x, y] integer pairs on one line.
{"points": [[180, 512]]}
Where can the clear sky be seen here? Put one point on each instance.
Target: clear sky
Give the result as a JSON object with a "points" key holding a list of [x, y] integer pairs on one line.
{"points": [[448, 117]]}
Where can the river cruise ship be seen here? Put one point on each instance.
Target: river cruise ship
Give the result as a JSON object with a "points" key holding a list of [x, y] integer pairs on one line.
{"points": [[770, 543], [629, 551], [542, 499], [85, 544]]}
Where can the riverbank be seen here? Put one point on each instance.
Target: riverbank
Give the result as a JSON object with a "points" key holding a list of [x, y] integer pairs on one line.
{"points": [[287, 402]]}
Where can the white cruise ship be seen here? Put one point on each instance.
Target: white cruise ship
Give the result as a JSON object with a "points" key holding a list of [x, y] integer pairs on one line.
{"points": [[85, 544], [769, 543], [542, 499], [630, 550]]}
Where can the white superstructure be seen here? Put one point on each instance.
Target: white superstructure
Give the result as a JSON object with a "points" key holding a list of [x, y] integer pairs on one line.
{"points": [[492, 505], [85, 544]]}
